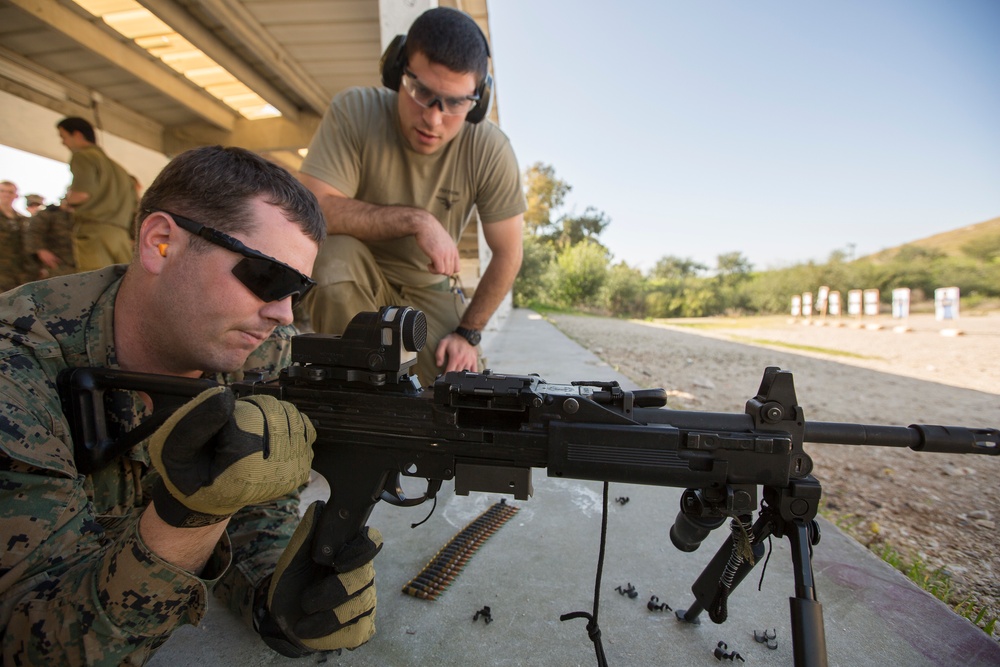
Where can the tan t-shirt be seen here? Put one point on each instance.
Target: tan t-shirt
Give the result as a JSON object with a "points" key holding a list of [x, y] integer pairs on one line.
{"points": [[112, 198], [360, 150]]}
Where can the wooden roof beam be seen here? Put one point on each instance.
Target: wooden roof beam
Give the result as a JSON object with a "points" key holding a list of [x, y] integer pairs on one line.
{"points": [[266, 135], [180, 20], [140, 65], [247, 30]]}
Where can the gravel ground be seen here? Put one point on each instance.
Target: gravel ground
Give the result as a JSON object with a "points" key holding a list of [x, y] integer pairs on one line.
{"points": [[938, 510]]}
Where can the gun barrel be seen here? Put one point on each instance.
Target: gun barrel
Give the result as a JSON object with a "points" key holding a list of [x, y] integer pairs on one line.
{"points": [[918, 437]]}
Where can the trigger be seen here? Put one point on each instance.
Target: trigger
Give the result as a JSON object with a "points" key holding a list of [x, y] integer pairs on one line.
{"points": [[393, 493]]}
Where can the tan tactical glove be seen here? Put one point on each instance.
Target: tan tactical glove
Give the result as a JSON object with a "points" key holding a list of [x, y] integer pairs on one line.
{"points": [[310, 607], [216, 455]]}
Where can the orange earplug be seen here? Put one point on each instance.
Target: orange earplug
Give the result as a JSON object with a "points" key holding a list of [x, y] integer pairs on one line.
{"points": [[163, 249]]}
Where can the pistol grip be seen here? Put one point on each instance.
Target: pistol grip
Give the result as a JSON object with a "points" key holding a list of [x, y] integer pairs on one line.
{"points": [[356, 483]]}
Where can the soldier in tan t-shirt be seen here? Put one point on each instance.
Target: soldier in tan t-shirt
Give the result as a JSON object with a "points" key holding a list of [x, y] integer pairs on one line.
{"points": [[102, 197], [399, 172]]}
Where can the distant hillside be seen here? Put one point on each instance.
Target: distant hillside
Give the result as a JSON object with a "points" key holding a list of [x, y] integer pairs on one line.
{"points": [[950, 243]]}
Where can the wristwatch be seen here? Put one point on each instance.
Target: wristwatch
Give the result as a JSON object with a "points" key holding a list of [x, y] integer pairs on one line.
{"points": [[471, 335]]}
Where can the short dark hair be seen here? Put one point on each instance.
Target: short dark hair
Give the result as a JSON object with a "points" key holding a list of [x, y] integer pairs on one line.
{"points": [[76, 124], [450, 37], [215, 185]]}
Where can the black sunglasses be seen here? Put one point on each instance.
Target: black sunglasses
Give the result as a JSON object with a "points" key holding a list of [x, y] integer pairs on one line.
{"points": [[268, 279]]}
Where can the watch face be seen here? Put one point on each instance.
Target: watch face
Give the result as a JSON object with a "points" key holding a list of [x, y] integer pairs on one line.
{"points": [[470, 335]]}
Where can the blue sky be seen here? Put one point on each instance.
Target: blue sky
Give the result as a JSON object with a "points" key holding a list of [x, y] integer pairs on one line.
{"points": [[781, 129]]}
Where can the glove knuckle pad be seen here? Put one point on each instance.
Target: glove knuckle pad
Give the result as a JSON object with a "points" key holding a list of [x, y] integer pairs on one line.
{"points": [[361, 605], [322, 623], [334, 591], [286, 434]]}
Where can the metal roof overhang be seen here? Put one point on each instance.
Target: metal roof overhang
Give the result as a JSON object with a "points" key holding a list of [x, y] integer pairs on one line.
{"points": [[295, 54]]}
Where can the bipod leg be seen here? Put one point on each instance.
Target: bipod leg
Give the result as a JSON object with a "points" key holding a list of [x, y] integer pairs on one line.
{"points": [[691, 614], [808, 633], [708, 588], [796, 506]]}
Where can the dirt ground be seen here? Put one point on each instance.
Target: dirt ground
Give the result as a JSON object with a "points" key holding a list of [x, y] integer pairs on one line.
{"points": [[939, 510]]}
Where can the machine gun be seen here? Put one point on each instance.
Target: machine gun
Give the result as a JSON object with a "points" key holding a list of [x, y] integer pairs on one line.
{"points": [[375, 425]]}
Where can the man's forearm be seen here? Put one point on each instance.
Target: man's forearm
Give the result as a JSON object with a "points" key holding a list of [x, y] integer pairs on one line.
{"points": [[76, 197], [370, 222], [187, 548], [53, 616], [496, 282]]}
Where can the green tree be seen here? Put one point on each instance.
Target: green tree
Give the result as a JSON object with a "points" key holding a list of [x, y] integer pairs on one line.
{"points": [[696, 298], [531, 284], [912, 266], [985, 250], [972, 277], [624, 291], [564, 262], [571, 230], [675, 288], [545, 194], [732, 268], [579, 273], [670, 267], [732, 273]]}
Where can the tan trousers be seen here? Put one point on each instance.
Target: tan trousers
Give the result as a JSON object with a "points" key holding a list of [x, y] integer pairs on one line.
{"points": [[349, 281], [96, 245]]}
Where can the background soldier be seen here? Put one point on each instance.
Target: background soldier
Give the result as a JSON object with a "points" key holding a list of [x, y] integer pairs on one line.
{"points": [[12, 256], [49, 238], [102, 197], [33, 203]]}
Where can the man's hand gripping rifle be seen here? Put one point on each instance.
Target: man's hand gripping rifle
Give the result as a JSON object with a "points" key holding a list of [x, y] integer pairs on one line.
{"points": [[487, 431]]}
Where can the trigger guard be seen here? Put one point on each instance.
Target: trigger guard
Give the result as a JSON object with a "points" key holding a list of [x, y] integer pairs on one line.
{"points": [[393, 494]]}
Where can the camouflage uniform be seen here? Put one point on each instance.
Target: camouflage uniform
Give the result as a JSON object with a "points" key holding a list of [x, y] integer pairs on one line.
{"points": [[11, 251], [51, 229], [77, 584]]}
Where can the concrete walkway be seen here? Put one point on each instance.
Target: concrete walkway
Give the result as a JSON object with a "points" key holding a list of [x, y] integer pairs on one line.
{"points": [[541, 564]]}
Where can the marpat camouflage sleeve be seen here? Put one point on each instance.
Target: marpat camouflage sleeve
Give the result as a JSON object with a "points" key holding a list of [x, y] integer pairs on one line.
{"points": [[258, 534], [77, 584], [73, 591]]}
